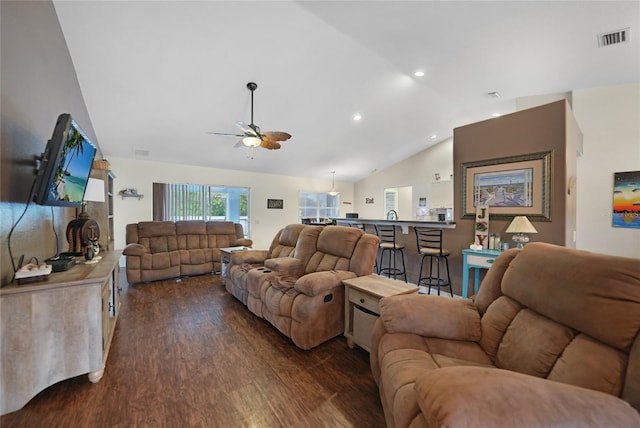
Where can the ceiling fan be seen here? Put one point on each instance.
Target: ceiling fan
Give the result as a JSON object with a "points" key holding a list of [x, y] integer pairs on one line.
{"points": [[252, 136]]}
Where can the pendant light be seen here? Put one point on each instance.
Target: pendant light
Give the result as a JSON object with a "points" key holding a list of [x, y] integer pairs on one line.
{"points": [[333, 191]]}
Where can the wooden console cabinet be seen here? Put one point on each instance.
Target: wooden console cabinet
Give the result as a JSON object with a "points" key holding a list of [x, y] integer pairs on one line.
{"points": [[57, 329]]}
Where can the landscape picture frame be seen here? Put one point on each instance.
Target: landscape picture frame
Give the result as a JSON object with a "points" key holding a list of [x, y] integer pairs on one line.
{"points": [[510, 186], [626, 200]]}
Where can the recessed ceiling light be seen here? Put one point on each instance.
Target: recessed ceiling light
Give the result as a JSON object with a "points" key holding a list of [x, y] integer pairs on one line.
{"points": [[496, 115], [433, 137], [419, 73], [357, 116]]}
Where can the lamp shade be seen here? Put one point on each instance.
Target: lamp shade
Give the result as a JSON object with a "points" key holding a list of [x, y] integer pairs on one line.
{"points": [[521, 224], [251, 141], [95, 190]]}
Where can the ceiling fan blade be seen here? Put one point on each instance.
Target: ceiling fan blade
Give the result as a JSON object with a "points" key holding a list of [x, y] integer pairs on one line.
{"points": [[276, 135], [226, 134], [247, 129], [270, 144]]}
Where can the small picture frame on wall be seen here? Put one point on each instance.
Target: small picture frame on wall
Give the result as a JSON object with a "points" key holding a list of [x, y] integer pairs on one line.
{"points": [[275, 204]]}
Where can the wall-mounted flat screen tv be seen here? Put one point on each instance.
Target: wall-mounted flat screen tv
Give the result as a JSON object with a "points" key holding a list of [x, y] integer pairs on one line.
{"points": [[65, 167]]}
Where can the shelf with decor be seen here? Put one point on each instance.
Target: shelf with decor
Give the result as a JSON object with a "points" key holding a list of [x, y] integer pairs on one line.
{"points": [[130, 193], [102, 212]]}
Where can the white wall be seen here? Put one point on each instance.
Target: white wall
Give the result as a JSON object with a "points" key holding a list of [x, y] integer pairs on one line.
{"points": [[609, 119], [610, 122], [264, 222], [416, 171]]}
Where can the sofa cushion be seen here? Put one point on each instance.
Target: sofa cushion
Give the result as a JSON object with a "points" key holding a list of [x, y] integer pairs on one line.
{"points": [[284, 243], [474, 396], [317, 283], [495, 322], [157, 236], [569, 285], [191, 227], [307, 243], [148, 229], [223, 234], [591, 364], [289, 266], [334, 248], [196, 257], [492, 283], [532, 344], [430, 316]]}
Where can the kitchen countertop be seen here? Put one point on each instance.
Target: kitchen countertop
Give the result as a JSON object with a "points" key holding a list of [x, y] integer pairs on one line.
{"points": [[401, 223]]}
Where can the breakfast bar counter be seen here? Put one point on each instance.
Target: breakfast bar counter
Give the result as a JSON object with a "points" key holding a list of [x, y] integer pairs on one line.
{"points": [[406, 237], [403, 224]]}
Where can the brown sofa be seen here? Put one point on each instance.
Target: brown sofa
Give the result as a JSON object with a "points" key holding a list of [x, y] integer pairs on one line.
{"points": [[551, 339], [165, 249], [296, 285]]}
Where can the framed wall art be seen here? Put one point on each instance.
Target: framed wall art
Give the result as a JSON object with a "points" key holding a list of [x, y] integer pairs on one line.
{"points": [[510, 186], [626, 199], [275, 204]]}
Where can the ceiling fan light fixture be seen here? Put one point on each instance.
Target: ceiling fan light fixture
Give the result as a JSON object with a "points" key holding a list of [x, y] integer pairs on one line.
{"points": [[251, 141]]}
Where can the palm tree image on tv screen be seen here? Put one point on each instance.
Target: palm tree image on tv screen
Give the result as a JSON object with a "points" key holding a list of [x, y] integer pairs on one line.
{"points": [[72, 171]]}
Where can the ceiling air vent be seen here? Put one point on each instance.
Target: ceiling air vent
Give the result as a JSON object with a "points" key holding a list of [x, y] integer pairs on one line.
{"points": [[141, 153], [613, 37]]}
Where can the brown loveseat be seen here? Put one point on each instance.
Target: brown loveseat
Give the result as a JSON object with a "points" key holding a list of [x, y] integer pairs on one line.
{"points": [[165, 249], [297, 284], [551, 339]]}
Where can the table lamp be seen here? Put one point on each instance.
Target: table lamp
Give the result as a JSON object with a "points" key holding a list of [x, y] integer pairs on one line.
{"points": [[521, 226]]}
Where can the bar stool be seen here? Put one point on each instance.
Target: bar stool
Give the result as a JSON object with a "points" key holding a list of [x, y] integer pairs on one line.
{"points": [[389, 245], [362, 227], [429, 242]]}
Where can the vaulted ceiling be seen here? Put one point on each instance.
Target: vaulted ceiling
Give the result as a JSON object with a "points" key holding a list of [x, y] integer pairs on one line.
{"points": [[157, 76]]}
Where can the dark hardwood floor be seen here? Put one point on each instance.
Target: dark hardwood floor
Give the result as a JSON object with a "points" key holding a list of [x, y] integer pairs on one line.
{"points": [[188, 354]]}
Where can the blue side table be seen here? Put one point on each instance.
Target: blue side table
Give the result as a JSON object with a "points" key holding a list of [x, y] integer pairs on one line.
{"points": [[478, 259]]}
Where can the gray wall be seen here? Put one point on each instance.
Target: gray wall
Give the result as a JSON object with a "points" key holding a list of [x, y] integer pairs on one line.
{"points": [[38, 82]]}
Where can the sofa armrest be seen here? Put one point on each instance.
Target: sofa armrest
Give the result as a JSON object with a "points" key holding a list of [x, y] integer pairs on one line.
{"points": [[286, 266], [317, 283], [135, 250], [432, 316], [471, 396], [242, 242], [248, 256]]}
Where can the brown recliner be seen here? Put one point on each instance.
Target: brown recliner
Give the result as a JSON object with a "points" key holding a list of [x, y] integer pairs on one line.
{"points": [[301, 292], [551, 339], [247, 272]]}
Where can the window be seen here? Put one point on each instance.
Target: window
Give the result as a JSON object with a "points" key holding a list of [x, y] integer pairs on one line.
{"points": [[317, 206], [172, 202]]}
